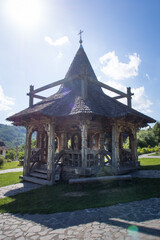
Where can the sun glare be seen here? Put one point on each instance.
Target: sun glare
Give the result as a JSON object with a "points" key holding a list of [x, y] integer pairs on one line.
{"points": [[24, 14]]}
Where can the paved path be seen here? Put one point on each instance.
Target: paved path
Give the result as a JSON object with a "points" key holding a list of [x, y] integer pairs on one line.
{"points": [[11, 170], [148, 155], [11, 190], [139, 220]]}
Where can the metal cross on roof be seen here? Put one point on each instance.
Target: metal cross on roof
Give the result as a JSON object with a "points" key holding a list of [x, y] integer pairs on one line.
{"points": [[80, 41]]}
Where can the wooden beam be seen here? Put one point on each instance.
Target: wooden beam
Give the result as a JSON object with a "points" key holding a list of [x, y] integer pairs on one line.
{"points": [[31, 96], [37, 96], [107, 87], [119, 97], [129, 98], [100, 179], [54, 84]]}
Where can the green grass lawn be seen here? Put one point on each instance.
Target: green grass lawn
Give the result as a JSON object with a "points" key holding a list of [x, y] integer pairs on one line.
{"points": [[63, 197], [8, 165], [10, 178], [149, 163]]}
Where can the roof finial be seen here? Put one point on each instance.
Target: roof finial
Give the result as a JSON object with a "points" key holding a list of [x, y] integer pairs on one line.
{"points": [[80, 41]]}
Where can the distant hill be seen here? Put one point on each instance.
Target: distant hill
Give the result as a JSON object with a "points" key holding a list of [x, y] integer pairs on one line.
{"points": [[12, 136]]}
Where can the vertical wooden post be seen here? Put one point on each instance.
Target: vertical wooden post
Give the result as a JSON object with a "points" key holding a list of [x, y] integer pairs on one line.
{"points": [[51, 153], [26, 167], [84, 145], [135, 155], [63, 139], [101, 141], [31, 96], [129, 98], [115, 147]]}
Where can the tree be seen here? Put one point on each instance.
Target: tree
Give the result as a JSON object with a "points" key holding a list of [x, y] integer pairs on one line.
{"points": [[156, 130], [146, 138], [11, 154]]}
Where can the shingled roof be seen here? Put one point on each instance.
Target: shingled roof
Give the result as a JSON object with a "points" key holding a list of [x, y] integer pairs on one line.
{"points": [[68, 101]]}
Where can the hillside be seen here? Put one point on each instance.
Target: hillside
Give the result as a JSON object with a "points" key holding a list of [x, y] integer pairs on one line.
{"points": [[12, 136]]}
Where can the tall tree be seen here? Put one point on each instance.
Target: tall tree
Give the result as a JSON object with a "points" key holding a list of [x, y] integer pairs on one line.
{"points": [[156, 130]]}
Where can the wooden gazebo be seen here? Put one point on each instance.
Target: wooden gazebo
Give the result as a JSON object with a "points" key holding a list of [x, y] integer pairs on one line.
{"points": [[79, 129]]}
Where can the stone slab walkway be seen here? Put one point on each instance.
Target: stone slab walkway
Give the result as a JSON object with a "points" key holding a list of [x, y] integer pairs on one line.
{"points": [[11, 190], [148, 155], [139, 220], [11, 170]]}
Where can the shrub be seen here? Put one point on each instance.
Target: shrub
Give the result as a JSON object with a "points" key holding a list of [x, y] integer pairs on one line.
{"points": [[21, 155], [148, 149], [10, 154], [1, 160]]}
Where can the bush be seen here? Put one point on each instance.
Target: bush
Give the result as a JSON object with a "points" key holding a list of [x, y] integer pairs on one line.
{"points": [[148, 149], [21, 155], [1, 160], [10, 154]]}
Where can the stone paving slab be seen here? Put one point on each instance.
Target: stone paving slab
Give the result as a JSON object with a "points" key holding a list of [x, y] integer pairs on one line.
{"points": [[11, 170], [148, 155], [11, 190], [139, 220]]}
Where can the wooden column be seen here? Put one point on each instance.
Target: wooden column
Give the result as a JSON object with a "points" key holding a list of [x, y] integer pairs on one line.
{"points": [[101, 142], [26, 167], [129, 97], [134, 150], [84, 145], [115, 147], [63, 139], [51, 152], [31, 94]]}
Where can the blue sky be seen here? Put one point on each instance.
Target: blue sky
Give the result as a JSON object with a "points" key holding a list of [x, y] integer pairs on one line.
{"points": [[39, 39]]}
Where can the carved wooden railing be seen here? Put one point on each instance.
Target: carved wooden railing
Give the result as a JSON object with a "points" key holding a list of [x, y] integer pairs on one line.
{"points": [[58, 158], [36, 157], [126, 158], [94, 158]]}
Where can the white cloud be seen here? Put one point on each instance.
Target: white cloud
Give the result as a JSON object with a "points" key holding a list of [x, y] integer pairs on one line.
{"points": [[147, 76], [140, 100], [57, 42], [5, 102], [60, 55], [117, 70]]}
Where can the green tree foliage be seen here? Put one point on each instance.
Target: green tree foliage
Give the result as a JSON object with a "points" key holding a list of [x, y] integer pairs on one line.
{"points": [[11, 154], [1, 160], [21, 155], [12, 136], [156, 130], [146, 138]]}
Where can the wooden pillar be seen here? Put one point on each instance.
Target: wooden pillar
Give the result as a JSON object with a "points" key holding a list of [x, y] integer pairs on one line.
{"points": [[134, 150], [115, 147], [129, 98], [51, 152], [31, 93], [63, 140], [26, 167], [101, 143], [84, 145]]}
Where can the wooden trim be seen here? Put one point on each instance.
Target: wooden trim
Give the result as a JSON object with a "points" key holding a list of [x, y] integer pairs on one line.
{"points": [[54, 84], [100, 84], [39, 97]]}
